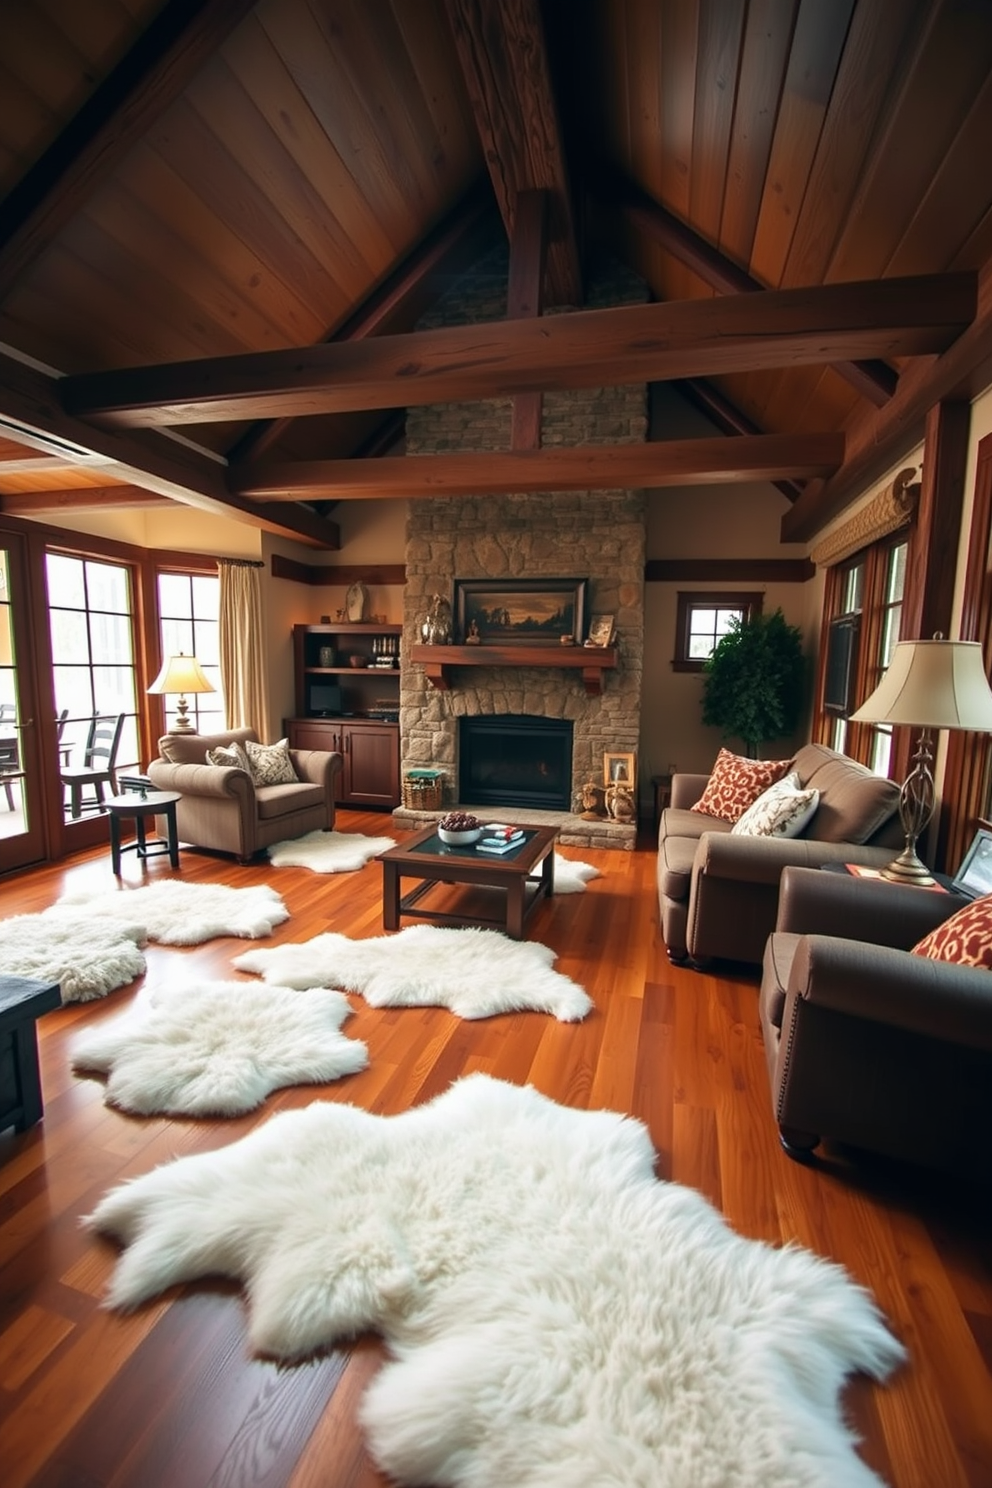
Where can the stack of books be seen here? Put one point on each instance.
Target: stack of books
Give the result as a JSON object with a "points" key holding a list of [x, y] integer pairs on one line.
{"points": [[500, 838]]}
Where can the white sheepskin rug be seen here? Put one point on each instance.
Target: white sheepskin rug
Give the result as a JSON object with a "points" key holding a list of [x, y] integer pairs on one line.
{"points": [[177, 913], [572, 877], [558, 1317], [473, 973], [88, 955], [218, 1048], [329, 852]]}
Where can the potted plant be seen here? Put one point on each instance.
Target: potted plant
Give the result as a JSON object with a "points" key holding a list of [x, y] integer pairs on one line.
{"points": [[754, 681]]}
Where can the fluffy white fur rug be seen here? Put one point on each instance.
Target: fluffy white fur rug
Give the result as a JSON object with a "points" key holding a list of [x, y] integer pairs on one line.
{"points": [[177, 913], [474, 973], [571, 877], [88, 955], [218, 1048], [329, 852], [558, 1317]]}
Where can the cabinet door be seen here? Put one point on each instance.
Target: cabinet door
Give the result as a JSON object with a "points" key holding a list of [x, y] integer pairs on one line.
{"points": [[372, 764]]}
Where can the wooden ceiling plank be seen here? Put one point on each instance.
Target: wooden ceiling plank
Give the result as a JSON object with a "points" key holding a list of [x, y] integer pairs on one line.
{"points": [[589, 467], [763, 67], [878, 442], [501, 49], [154, 72], [817, 44], [29, 399], [625, 344], [720, 28], [872, 379], [448, 247]]}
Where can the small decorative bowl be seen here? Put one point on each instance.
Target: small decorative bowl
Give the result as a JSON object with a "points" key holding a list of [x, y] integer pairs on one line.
{"points": [[358, 661], [459, 839]]}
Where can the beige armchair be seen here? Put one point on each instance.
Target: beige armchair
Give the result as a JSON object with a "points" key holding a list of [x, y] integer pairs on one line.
{"points": [[221, 807]]}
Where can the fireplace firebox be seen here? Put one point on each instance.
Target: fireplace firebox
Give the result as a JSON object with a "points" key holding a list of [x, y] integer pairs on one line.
{"points": [[515, 760]]}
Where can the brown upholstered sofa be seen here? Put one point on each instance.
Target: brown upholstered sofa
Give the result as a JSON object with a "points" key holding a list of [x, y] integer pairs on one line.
{"points": [[222, 808], [718, 893], [865, 1043]]}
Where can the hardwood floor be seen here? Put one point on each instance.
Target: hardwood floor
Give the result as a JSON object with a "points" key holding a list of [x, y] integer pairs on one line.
{"points": [[168, 1396]]}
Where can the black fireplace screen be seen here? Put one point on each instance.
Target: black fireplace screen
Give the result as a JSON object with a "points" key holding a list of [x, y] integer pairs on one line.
{"points": [[515, 760]]}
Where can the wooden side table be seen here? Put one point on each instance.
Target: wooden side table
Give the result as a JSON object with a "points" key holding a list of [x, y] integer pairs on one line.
{"points": [[141, 807], [22, 1002]]}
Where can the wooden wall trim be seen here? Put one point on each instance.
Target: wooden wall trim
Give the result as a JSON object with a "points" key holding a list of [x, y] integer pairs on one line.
{"points": [[340, 573], [728, 570]]}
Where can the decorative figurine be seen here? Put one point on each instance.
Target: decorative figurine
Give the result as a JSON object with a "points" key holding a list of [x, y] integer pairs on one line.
{"points": [[473, 638], [436, 629]]}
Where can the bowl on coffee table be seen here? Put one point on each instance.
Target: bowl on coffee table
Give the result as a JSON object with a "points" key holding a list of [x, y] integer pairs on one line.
{"points": [[459, 829]]}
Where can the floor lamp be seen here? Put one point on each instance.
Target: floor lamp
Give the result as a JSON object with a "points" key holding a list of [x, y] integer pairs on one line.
{"points": [[182, 674], [929, 685]]}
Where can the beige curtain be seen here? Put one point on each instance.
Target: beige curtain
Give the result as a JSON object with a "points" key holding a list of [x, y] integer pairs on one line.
{"points": [[242, 664]]}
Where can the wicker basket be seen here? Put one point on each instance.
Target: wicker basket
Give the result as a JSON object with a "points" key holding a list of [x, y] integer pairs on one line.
{"points": [[422, 795]]}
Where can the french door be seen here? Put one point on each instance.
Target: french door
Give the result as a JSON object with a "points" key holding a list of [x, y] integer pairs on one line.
{"points": [[22, 794]]}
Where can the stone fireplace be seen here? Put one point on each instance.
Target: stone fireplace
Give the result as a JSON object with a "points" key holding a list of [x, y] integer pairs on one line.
{"points": [[593, 535]]}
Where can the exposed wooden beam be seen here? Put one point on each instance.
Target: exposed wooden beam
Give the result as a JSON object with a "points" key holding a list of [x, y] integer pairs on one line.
{"points": [[728, 419], [322, 574], [928, 600], [629, 343], [874, 379], [728, 570], [878, 442], [170, 51], [29, 400], [501, 48], [410, 289], [591, 467], [80, 498], [528, 252]]}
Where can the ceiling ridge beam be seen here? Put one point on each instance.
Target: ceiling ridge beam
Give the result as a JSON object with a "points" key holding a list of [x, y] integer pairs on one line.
{"points": [[874, 379], [585, 467], [502, 52], [134, 94], [589, 348]]}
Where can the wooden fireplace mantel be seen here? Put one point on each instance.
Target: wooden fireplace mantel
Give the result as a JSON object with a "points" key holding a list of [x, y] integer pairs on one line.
{"points": [[439, 661]]}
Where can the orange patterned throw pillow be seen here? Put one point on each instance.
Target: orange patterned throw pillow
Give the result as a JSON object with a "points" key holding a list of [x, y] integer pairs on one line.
{"points": [[736, 783], [965, 938]]}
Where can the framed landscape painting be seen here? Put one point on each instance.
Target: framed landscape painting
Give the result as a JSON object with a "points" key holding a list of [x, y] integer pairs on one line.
{"points": [[519, 612]]}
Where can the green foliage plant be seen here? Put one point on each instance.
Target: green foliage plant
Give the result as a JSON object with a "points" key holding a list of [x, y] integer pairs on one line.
{"points": [[754, 682]]}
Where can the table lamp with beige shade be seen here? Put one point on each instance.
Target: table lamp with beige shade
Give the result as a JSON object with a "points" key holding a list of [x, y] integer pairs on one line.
{"points": [[936, 684], [182, 674]]}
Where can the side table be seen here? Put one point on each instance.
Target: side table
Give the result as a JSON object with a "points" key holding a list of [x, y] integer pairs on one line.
{"points": [[22, 1002], [662, 795], [141, 807]]}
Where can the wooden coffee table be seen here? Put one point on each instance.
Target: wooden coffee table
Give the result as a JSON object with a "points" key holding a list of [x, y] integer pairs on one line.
{"points": [[425, 857]]}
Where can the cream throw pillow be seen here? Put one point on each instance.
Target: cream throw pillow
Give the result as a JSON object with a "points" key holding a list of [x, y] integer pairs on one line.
{"points": [[270, 764], [782, 811], [229, 754]]}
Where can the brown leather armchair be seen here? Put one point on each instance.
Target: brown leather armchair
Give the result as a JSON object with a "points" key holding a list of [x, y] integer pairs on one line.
{"points": [[867, 1044], [221, 807]]}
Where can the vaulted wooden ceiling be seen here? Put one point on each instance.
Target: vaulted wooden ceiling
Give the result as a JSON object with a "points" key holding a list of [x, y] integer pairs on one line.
{"points": [[222, 221]]}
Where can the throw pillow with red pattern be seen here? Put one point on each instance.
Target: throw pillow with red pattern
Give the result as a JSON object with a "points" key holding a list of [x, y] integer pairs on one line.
{"points": [[736, 783], [966, 938]]}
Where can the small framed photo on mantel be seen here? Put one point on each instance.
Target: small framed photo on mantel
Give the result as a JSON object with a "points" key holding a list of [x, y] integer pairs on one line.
{"points": [[601, 629]]}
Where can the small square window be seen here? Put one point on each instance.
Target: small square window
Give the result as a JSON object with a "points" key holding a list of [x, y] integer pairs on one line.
{"points": [[703, 620]]}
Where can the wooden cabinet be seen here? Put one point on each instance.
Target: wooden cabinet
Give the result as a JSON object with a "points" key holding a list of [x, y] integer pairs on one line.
{"points": [[370, 775], [353, 709]]}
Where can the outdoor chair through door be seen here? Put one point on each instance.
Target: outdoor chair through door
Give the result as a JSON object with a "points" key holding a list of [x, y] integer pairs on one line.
{"points": [[98, 767]]}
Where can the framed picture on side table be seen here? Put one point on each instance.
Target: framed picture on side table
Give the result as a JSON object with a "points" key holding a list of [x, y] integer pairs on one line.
{"points": [[618, 769]]}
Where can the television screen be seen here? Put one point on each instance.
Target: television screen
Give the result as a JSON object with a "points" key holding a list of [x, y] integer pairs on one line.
{"points": [[325, 697], [841, 665]]}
